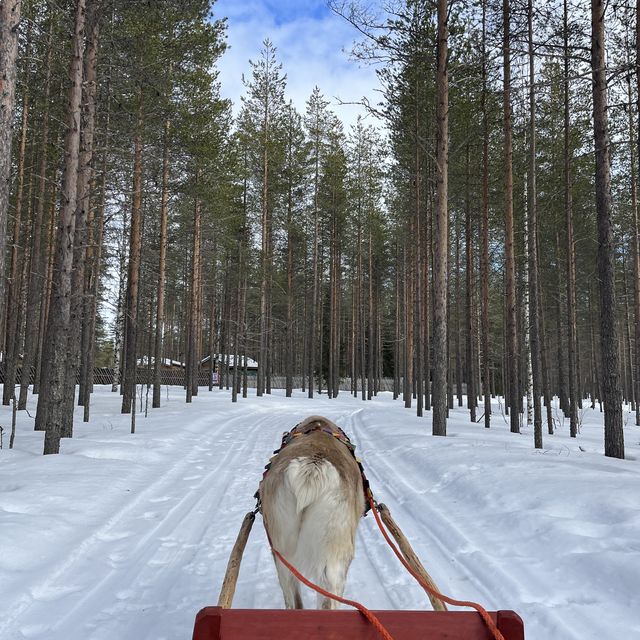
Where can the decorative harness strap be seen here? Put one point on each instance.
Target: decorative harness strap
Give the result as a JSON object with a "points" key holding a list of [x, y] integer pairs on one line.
{"points": [[337, 433]]}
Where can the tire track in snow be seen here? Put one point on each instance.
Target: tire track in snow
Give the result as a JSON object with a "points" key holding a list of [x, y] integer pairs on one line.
{"points": [[435, 525]]}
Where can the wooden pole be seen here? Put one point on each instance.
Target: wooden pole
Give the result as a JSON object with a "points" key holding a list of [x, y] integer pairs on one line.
{"points": [[233, 566], [410, 555]]}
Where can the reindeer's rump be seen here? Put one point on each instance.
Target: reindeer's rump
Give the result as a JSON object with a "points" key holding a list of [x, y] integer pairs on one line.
{"points": [[312, 499]]}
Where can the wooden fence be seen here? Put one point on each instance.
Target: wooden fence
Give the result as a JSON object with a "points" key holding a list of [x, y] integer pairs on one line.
{"points": [[104, 375]]}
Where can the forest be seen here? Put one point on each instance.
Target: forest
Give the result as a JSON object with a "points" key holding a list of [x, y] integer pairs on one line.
{"points": [[475, 236]]}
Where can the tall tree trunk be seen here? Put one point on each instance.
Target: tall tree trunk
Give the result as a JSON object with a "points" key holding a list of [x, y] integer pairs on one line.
{"points": [[315, 295], [370, 322], [119, 324], [93, 280], [614, 437], [9, 21], [628, 351], [36, 281], [571, 263], [544, 357], [162, 260], [82, 207], [441, 228], [484, 233], [470, 282], [510, 265], [419, 306], [561, 367], [93, 267], [289, 347], [51, 408], [192, 361], [239, 320], [534, 322], [636, 226], [263, 363], [133, 272], [15, 271], [458, 327], [48, 256]]}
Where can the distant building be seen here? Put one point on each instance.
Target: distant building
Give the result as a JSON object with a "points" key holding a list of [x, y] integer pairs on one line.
{"points": [[220, 360]]}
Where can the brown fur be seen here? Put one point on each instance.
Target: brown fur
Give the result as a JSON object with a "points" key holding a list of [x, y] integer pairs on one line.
{"points": [[321, 535]]}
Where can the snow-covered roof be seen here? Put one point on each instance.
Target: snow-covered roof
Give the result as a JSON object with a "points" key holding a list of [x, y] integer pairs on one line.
{"points": [[166, 362], [251, 363]]}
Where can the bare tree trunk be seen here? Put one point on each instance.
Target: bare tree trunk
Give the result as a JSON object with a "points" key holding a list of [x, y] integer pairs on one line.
{"points": [[48, 256], [470, 282], [15, 285], [119, 325], [595, 369], [193, 357], [162, 260], [266, 240], [133, 272], [636, 226], [94, 280], [441, 231], [561, 366], [370, 328], [82, 207], [361, 327], [628, 351], [213, 327], [36, 280], [289, 347], [407, 359], [456, 294], [315, 291], [9, 21], [534, 323], [419, 306], [614, 437], [510, 266], [484, 233], [51, 408], [571, 263], [239, 320]]}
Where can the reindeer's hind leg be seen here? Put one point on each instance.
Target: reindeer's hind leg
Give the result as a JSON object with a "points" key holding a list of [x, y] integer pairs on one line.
{"points": [[290, 587], [284, 529]]}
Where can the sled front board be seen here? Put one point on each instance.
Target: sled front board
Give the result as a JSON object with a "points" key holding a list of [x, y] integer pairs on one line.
{"points": [[215, 623]]}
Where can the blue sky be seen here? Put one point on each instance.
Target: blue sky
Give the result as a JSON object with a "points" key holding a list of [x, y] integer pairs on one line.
{"points": [[312, 43]]}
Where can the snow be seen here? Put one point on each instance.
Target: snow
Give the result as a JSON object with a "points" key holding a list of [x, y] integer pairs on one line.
{"points": [[126, 537]]}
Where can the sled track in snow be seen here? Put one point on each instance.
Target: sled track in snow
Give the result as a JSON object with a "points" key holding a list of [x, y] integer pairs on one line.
{"points": [[133, 555], [429, 521]]}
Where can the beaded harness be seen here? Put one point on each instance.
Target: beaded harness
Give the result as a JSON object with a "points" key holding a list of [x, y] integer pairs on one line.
{"points": [[335, 432]]}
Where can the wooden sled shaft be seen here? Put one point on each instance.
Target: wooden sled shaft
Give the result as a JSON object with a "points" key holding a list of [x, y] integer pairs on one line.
{"points": [[233, 566]]}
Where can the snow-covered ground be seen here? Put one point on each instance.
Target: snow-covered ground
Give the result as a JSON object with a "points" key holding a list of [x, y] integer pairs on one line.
{"points": [[125, 537]]}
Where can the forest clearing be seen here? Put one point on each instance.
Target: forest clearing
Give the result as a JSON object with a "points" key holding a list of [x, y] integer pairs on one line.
{"points": [[127, 536], [416, 217]]}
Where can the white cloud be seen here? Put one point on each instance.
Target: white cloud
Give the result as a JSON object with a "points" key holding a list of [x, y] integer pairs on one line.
{"points": [[313, 48]]}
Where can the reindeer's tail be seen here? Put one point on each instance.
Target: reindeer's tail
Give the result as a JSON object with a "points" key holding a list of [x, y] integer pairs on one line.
{"points": [[309, 478]]}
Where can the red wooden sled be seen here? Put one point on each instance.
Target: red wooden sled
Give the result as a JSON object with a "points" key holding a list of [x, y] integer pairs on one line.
{"points": [[216, 623], [224, 623]]}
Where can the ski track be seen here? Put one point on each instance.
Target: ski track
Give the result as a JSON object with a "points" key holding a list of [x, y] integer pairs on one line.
{"points": [[113, 555], [161, 545], [427, 522]]}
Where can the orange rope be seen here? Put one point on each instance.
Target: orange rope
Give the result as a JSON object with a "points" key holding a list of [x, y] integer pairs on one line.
{"points": [[369, 615], [458, 603]]}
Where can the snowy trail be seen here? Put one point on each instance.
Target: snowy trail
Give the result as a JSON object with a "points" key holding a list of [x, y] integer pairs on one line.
{"points": [[126, 537], [168, 517]]}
